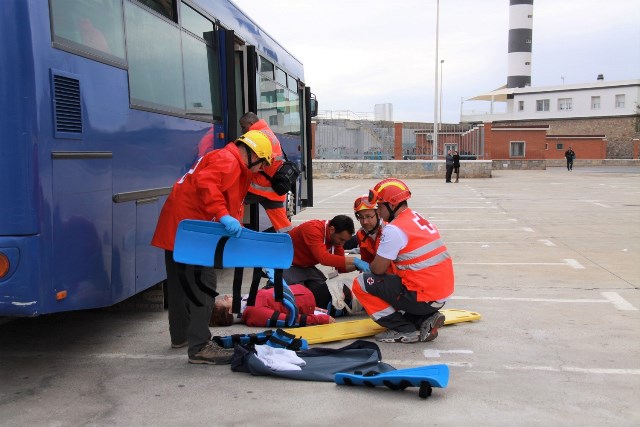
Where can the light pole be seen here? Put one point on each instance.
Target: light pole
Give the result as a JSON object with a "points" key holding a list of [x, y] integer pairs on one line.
{"points": [[435, 92], [440, 113]]}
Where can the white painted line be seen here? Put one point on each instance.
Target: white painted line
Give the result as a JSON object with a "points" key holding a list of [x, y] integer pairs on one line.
{"points": [[556, 300], [528, 229], [574, 264], [516, 263], [476, 229], [437, 353], [480, 243], [338, 194], [618, 302], [136, 356], [601, 205], [546, 242], [464, 207], [402, 363], [601, 371]]}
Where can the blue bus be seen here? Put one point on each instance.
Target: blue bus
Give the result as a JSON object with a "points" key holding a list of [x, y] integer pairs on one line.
{"points": [[104, 104]]}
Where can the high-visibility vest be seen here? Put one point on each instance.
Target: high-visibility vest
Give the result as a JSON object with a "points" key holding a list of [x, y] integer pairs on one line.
{"points": [[424, 264], [260, 184]]}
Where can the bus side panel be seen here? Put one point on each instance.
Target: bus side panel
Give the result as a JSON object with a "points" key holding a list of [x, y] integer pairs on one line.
{"points": [[124, 251], [82, 239], [149, 259], [18, 151]]}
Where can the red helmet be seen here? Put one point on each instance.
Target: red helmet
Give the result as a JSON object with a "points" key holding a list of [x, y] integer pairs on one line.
{"points": [[390, 190], [362, 203]]}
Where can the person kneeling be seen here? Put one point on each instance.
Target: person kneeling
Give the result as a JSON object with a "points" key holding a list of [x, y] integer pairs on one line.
{"points": [[408, 301]]}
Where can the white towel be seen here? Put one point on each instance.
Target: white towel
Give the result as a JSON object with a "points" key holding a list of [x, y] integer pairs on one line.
{"points": [[279, 359]]}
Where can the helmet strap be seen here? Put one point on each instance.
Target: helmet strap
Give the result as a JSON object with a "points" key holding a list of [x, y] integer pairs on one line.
{"points": [[373, 230], [249, 151], [392, 212]]}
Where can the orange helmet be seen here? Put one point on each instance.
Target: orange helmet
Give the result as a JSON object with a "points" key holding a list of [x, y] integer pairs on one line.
{"points": [[390, 190], [362, 203]]}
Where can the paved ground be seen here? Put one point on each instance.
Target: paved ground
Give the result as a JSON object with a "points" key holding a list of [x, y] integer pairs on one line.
{"points": [[551, 259]]}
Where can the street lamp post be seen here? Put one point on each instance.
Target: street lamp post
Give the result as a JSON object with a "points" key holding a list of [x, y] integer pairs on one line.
{"points": [[440, 113], [435, 92]]}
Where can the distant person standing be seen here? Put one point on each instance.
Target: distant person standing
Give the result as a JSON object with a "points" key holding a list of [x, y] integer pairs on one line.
{"points": [[456, 165], [570, 155], [449, 165]]}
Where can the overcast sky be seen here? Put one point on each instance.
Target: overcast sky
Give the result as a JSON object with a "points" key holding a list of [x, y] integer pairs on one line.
{"points": [[358, 53]]}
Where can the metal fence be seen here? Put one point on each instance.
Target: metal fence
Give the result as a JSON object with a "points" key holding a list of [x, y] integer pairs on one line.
{"points": [[352, 138]]}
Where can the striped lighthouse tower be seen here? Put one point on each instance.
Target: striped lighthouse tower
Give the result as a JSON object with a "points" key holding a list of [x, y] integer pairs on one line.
{"points": [[520, 31]]}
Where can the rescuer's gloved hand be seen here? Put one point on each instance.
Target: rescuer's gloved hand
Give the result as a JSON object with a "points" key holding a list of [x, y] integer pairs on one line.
{"points": [[361, 265], [231, 225]]}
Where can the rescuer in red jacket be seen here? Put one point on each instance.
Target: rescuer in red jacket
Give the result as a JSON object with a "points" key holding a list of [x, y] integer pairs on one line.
{"points": [[320, 242], [267, 309], [212, 190], [260, 190], [408, 301]]}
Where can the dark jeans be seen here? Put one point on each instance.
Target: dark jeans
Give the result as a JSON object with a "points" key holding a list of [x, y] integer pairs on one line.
{"points": [[410, 312], [313, 279], [187, 321]]}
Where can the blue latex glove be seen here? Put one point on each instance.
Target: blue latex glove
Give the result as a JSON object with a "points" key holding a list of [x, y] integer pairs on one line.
{"points": [[361, 265], [232, 225], [270, 274]]}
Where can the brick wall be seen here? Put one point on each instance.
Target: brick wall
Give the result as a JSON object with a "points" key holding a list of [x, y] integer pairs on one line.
{"points": [[619, 131]]}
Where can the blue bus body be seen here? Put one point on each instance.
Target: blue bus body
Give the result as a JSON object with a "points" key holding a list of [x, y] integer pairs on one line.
{"points": [[93, 134]]}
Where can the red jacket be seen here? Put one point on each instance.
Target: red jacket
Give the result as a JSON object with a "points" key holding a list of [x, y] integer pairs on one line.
{"points": [[266, 305], [214, 187], [312, 246], [260, 184], [369, 243]]}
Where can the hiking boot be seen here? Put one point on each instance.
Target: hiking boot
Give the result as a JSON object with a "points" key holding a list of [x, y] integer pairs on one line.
{"points": [[212, 354], [429, 327], [180, 345], [394, 336]]}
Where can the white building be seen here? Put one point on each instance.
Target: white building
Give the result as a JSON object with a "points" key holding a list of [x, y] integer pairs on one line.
{"points": [[590, 100]]}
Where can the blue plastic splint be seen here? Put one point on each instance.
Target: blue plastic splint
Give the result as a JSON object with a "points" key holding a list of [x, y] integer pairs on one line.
{"points": [[424, 377], [197, 241]]}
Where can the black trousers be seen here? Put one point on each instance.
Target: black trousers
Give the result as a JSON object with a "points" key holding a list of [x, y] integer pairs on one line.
{"points": [[449, 172]]}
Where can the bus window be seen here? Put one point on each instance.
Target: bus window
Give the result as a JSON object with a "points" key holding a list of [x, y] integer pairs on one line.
{"points": [[281, 77], [292, 83], [266, 68], [155, 66], [201, 79], [294, 114], [193, 22], [93, 27], [165, 8]]}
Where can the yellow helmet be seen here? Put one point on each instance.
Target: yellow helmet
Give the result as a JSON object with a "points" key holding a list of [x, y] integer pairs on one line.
{"points": [[259, 143]]}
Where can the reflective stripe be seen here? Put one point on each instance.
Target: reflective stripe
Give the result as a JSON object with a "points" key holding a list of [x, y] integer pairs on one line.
{"points": [[284, 229], [383, 313], [262, 188], [280, 157], [430, 247], [429, 262]]}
